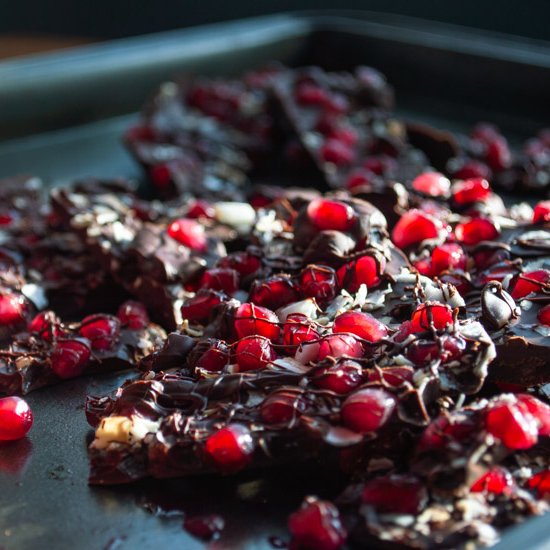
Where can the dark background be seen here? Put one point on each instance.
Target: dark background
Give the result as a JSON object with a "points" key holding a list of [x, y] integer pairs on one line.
{"points": [[115, 19]]}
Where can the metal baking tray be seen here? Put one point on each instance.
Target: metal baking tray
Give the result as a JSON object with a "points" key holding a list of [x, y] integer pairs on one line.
{"points": [[61, 116]]}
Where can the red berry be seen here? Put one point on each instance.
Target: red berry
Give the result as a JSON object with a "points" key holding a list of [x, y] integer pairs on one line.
{"points": [[282, 407], [12, 309], [433, 184], [133, 315], [448, 431], [539, 409], [395, 494], [340, 345], [317, 526], [199, 308], [242, 262], [448, 256], [471, 190], [319, 282], [532, 281], [394, 376], [15, 418], [541, 483], [512, 424], [543, 316], [344, 134], [201, 209], [360, 178], [541, 212], [310, 95], [367, 410], [69, 357], [189, 233], [340, 378], [476, 230], [335, 151], [366, 270], [253, 320], [220, 278], [161, 176], [230, 449], [414, 227], [361, 324], [495, 481], [204, 527], [497, 154], [274, 292], [431, 315], [254, 353], [298, 329], [467, 168], [45, 325], [329, 214], [215, 358], [102, 330]]}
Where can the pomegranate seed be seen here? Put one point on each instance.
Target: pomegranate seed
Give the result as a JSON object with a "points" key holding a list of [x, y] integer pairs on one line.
{"points": [[414, 227], [189, 233], [448, 256], [317, 525], [495, 481], [340, 378], [298, 329], [541, 483], [318, 282], [361, 324], [310, 94], [204, 527], [220, 278], [541, 212], [424, 267], [543, 316], [15, 418], [475, 231], [242, 262], [346, 135], [381, 165], [254, 353], [6, 219], [367, 410], [12, 309], [498, 154], [422, 352], [360, 178], [199, 308], [431, 315], [539, 409], [395, 494], [340, 345], [532, 281], [446, 431], [394, 376], [403, 332], [140, 133], [328, 214], [45, 325], [467, 168], [215, 358], [335, 151], [471, 190], [102, 330], [251, 320], [512, 424], [69, 357], [282, 407], [230, 449], [364, 271], [201, 209], [161, 176], [274, 292], [133, 315], [433, 184]]}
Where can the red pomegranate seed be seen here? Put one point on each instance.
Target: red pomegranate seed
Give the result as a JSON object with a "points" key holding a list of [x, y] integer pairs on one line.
{"points": [[199, 308], [133, 315], [161, 176], [475, 231], [448, 256], [242, 262], [335, 151], [468, 168], [274, 292], [220, 278], [381, 165], [422, 352], [340, 378], [541, 212], [204, 527], [317, 525], [298, 329], [424, 267], [6, 219], [394, 376], [541, 483], [497, 154], [395, 494], [433, 184], [201, 209], [360, 178], [140, 133], [102, 330], [45, 325], [12, 309], [431, 315], [253, 320], [543, 316], [532, 281], [15, 418], [346, 135], [539, 409], [447, 431], [495, 481], [319, 282], [329, 214], [471, 190], [311, 95], [254, 353], [230, 449], [340, 345], [414, 227], [367, 410], [512, 424], [364, 271], [282, 407], [215, 358], [69, 357], [189, 233], [361, 324]]}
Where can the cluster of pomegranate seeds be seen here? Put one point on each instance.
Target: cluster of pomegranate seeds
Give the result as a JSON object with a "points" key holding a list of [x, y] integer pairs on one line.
{"points": [[317, 525], [133, 315], [395, 494], [330, 214], [433, 184], [282, 407], [69, 357], [101, 330], [16, 418], [364, 271], [199, 308], [368, 410], [360, 324], [251, 320], [254, 353], [414, 227], [12, 309], [189, 233], [495, 481], [230, 449]]}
